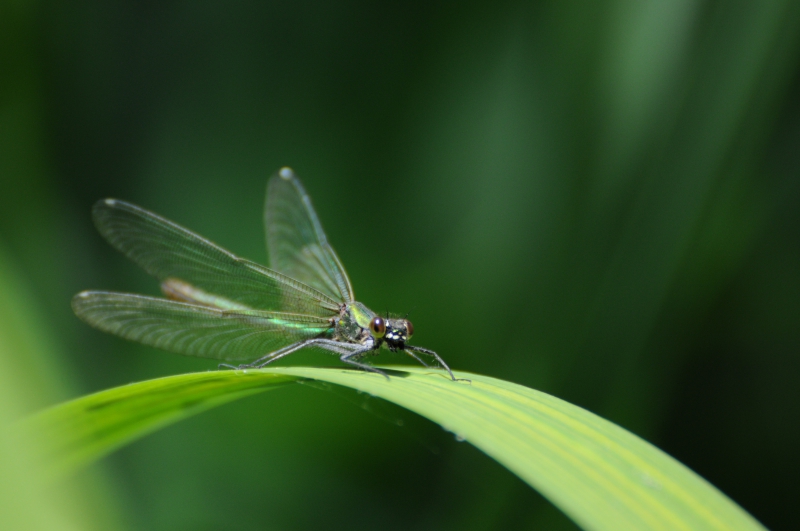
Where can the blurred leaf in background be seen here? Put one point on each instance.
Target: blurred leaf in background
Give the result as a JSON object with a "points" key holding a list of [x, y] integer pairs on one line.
{"points": [[33, 370], [595, 199]]}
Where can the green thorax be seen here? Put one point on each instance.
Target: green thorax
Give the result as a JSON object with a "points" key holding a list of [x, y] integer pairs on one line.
{"points": [[353, 325]]}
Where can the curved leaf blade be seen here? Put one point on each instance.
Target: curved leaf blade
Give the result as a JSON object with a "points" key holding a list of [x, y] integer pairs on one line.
{"points": [[78, 432], [600, 475]]}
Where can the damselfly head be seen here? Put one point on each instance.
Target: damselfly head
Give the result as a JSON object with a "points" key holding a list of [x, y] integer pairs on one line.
{"points": [[398, 331]]}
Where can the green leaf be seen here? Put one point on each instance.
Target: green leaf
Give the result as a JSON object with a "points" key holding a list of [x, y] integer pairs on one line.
{"points": [[600, 475]]}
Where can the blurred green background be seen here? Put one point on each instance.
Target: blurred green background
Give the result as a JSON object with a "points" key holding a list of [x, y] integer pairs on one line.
{"points": [[596, 199]]}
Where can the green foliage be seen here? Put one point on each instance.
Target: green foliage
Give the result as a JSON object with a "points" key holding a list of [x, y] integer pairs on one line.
{"points": [[30, 378], [601, 475], [596, 199]]}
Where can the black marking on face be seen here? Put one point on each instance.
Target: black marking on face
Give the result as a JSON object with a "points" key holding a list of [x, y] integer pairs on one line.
{"points": [[396, 335]]}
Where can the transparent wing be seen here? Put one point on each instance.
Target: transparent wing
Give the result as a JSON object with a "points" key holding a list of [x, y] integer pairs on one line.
{"points": [[170, 252], [194, 330], [296, 243]]}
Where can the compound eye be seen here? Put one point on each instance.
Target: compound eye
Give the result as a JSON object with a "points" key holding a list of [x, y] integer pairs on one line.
{"points": [[378, 327], [409, 329]]}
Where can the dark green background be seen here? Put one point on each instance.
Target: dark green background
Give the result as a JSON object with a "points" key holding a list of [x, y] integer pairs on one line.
{"points": [[596, 199]]}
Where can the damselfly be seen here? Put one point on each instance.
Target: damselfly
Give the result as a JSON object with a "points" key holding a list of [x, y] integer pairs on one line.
{"points": [[224, 307]]}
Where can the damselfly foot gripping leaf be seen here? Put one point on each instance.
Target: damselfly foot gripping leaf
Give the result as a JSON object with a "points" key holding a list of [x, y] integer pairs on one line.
{"points": [[224, 307]]}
